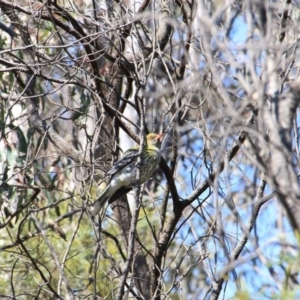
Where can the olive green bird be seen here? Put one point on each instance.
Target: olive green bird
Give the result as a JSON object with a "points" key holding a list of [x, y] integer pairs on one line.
{"points": [[124, 171]]}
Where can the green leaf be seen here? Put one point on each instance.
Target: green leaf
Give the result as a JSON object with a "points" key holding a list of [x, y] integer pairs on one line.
{"points": [[57, 210], [22, 140], [85, 103], [11, 160], [22, 147], [5, 172]]}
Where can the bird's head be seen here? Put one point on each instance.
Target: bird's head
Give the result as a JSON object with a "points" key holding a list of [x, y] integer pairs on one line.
{"points": [[154, 139]]}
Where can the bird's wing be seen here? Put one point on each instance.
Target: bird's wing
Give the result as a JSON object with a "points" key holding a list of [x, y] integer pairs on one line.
{"points": [[129, 159]]}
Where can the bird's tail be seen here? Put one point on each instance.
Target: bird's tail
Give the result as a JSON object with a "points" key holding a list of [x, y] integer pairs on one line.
{"points": [[99, 203]]}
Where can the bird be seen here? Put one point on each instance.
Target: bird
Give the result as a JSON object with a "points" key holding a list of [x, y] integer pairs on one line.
{"points": [[123, 174]]}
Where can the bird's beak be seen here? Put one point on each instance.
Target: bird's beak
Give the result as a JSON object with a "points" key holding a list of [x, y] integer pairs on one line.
{"points": [[159, 137]]}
